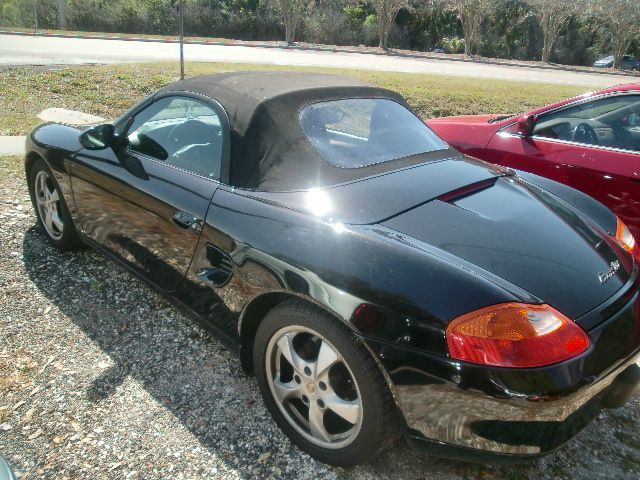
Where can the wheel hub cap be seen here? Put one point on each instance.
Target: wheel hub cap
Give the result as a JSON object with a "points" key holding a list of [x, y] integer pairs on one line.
{"points": [[48, 205], [313, 387]]}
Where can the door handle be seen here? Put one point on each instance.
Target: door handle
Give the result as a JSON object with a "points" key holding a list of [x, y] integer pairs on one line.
{"points": [[186, 220]]}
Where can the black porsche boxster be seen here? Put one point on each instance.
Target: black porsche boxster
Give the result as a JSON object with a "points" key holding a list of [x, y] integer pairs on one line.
{"points": [[378, 283]]}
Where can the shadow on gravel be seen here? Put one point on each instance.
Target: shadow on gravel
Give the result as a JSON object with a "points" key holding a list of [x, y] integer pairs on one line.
{"points": [[201, 383], [176, 361]]}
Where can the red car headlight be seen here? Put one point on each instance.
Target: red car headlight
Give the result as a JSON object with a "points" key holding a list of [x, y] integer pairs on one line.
{"points": [[515, 335], [624, 237]]}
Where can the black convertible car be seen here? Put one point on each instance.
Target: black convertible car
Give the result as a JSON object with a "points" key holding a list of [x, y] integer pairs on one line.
{"points": [[378, 283]]}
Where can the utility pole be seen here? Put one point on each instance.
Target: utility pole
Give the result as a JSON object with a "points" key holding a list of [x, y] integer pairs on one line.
{"points": [[181, 22], [62, 14], [35, 12]]}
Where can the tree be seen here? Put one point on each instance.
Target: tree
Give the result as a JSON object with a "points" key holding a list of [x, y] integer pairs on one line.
{"points": [[553, 15], [62, 14], [471, 14], [386, 13], [621, 20], [291, 12]]}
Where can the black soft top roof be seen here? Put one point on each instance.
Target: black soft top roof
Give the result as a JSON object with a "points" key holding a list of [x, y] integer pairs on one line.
{"points": [[269, 150]]}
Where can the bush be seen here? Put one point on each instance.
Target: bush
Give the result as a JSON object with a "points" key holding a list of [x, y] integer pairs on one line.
{"points": [[370, 31], [21, 13], [331, 27], [356, 16], [453, 44]]}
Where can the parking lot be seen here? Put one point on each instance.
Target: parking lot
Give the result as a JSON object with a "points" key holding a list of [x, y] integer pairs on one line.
{"points": [[102, 378]]}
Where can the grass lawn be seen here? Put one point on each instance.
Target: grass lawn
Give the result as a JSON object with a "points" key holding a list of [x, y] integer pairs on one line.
{"points": [[72, 33], [11, 166], [109, 90]]}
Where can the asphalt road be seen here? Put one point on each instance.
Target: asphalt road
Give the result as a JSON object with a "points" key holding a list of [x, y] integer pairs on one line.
{"points": [[25, 50], [101, 378]]}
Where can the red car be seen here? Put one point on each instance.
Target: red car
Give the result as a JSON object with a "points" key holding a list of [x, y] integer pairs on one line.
{"points": [[591, 143]]}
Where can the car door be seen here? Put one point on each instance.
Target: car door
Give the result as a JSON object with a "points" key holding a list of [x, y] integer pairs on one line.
{"points": [[144, 200], [629, 62], [592, 145]]}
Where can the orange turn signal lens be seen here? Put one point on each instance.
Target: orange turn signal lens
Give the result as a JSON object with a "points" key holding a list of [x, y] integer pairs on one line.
{"points": [[624, 237], [515, 335]]}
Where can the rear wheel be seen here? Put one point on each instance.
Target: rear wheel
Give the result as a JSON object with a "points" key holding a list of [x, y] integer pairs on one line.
{"points": [[322, 386], [51, 209]]}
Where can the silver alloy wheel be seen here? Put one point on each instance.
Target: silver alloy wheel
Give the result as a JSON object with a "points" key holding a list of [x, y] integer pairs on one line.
{"points": [[48, 203], [313, 387]]}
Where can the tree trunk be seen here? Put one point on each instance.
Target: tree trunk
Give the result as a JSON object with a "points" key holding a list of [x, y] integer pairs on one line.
{"points": [[546, 38], [289, 35], [290, 24], [620, 45], [547, 46], [383, 33], [467, 28], [62, 14]]}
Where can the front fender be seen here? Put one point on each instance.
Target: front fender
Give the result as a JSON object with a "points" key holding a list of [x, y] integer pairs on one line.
{"points": [[56, 144]]}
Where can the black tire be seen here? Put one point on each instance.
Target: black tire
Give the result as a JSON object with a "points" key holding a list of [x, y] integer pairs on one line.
{"points": [[378, 427], [68, 238]]}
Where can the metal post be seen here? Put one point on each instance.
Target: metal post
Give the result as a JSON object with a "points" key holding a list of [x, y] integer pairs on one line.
{"points": [[181, 21], [35, 12]]}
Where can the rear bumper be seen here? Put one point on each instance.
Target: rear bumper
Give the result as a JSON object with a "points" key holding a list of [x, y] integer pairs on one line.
{"points": [[511, 441], [472, 412]]}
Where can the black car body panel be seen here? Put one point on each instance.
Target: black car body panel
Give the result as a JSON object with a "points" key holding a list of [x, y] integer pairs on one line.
{"points": [[130, 214], [548, 251], [351, 202], [395, 254], [531, 411], [56, 144]]}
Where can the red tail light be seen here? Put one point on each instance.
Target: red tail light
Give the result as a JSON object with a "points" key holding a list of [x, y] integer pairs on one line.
{"points": [[515, 335], [624, 237]]}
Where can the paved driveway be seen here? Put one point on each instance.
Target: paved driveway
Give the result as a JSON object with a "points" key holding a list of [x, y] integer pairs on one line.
{"points": [[25, 50], [100, 377]]}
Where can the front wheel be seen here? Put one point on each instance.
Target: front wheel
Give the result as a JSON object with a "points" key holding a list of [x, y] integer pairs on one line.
{"points": [[51, 209], [322, 386]]}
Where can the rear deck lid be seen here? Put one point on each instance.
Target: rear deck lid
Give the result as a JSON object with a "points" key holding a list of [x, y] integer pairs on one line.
{"points": [[526, 236]]}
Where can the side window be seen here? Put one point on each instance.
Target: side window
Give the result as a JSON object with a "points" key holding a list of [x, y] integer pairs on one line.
{"points": [[180, 131], [612, 122]]}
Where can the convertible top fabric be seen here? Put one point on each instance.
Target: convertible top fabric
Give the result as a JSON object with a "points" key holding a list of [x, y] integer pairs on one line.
{"points": [[269, 150]]}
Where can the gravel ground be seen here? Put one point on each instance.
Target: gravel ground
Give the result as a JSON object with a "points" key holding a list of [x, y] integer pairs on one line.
{"points": [[102, 378]]}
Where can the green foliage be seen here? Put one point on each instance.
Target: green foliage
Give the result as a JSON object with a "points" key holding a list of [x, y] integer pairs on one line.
{"points": [[109, 90], [453, 44], [370, 30], [24, 13], [511, 31], [356, 16]]}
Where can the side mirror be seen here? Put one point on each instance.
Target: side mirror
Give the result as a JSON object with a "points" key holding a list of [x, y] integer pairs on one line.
{"points": [[98, 137], [525, 125]]}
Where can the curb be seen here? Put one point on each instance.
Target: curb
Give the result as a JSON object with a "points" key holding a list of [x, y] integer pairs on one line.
{"points": [[12, 145], [241, 43]]}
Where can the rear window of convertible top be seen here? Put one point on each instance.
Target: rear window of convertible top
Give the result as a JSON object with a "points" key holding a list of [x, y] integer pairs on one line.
{"points": [[359, 132]]}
